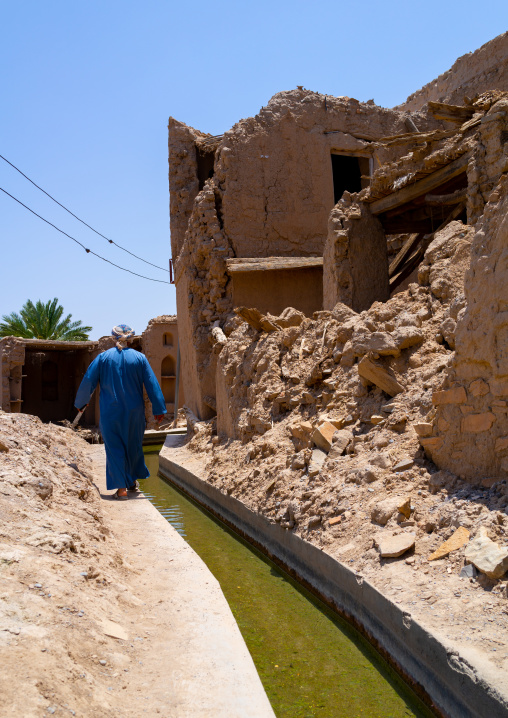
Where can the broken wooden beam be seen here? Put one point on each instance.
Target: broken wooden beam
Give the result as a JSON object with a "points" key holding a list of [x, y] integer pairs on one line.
{"points": [[421, 187], [404, 253], [451, 113]]}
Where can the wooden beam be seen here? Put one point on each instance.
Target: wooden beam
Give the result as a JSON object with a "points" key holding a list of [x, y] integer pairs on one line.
{"points": [[439, 200], [453, 113], [406, 250], [421, 187], [267, 264]]}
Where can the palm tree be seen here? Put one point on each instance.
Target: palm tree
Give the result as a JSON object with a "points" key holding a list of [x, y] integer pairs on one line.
{"points": [[42, 321]]}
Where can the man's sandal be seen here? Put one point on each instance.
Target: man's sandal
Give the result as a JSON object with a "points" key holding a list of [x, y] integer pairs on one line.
{"points": [[120, 497], [135, 487]]}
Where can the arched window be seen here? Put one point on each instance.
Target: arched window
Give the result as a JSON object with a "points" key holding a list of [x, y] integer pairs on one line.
{"points": [[168, 339], [49, 381]]}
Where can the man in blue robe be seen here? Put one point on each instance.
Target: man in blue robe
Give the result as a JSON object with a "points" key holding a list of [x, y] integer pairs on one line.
{"points": [[121, 374]]}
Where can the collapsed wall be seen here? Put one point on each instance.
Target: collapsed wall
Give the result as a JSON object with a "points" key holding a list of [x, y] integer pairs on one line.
{"points": [[264, 189], [470, 75]]}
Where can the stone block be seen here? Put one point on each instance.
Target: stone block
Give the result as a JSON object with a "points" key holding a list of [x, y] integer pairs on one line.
{"points": [[459, 538], [378, 375], [457, 395], [479, 387], [476, 423], [394, 546], [376, 419], [423, 428], [302, 431], [432, 443], [488, 557], [501, 444], [322, 435], [405, 508], [340, 441], [318, 457]]}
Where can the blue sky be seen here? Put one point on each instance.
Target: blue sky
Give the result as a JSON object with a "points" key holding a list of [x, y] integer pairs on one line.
{"points": [[86, 90]]}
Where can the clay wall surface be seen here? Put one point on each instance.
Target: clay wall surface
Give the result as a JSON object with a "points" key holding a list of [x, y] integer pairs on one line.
{"points": [[160, 346], [274, 290], [470, 427], [355, 270], [473, 73]]}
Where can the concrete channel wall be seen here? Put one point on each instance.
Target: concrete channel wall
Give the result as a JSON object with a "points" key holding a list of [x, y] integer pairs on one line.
{"points": [[447, 681]]}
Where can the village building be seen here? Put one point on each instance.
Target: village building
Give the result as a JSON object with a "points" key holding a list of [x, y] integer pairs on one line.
{"points": [[41, 377], [321, 200]]}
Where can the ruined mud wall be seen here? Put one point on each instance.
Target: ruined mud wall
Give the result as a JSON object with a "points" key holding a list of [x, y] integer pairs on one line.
{"points": [[474, 73], [274, 170], [270, 195], [470, 427], [355, 269]]}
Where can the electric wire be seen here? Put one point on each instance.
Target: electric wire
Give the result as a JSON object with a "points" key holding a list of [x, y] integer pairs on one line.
{"points": [[80, 220], [88, 251]]}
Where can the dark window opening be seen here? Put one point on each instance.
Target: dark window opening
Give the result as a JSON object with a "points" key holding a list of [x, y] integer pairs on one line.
{"points": [[205, 162], [49, 383], [347, 174]]}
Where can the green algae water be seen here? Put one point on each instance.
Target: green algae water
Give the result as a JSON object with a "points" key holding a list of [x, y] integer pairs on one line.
{"points": [[311, 662]]}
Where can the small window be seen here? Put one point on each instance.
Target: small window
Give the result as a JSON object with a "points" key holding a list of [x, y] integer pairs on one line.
{"points": [[168, 339], [347, 174]]}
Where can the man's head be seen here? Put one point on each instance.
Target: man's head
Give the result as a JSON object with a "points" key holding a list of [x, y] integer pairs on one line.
{"points": [[121, 333]]}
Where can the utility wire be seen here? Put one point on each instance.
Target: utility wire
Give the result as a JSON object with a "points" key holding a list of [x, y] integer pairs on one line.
{"points": [[88, 251], [80, 220]]}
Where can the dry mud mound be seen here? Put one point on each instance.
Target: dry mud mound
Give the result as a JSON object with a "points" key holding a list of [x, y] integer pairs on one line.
{"points": [[60, 576]]}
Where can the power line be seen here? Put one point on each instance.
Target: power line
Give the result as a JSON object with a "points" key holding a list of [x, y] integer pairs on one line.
{"points": [[80, 220], [88, 251]]}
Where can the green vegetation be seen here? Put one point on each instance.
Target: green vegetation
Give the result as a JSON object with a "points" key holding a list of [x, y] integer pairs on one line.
{"points": [[43, 321]]}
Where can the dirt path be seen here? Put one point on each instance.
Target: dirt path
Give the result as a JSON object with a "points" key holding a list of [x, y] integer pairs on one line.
{"points": [[104, 609]]}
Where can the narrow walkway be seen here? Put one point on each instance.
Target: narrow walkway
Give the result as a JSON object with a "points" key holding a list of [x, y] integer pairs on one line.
{"points": [[195, 662]]}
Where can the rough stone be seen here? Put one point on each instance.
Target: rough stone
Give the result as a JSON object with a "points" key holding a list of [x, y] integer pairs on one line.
{"points": [[323, 434], [380, 376], [457, 395], [476, 423], [488, 557], [384, 510], [394, 546], [423, 429], [458, 539], [340, 441], [404, 464]]}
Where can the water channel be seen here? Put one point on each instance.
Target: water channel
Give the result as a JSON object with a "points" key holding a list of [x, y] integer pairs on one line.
{"points": [[312, 663]]}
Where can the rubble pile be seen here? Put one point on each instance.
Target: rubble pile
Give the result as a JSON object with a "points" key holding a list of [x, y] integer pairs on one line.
{"points": [[60, 574], [330, 416]]}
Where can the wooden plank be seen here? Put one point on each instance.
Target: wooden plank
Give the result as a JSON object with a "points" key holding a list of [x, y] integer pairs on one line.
{"points": [[423, 186], [454, 113], [439, 200], [267, 264], [405, 251]]}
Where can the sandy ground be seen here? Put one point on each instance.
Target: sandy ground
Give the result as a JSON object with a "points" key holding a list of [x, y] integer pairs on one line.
{"points": [[104, 609]]}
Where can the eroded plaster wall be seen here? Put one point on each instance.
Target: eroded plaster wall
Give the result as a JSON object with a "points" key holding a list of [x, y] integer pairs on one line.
{"points": [[160, 346], [470, 426], [355, 268]]}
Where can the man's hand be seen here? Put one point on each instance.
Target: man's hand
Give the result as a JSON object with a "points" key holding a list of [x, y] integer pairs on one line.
{"points": [[83, 409], [158, 417]]}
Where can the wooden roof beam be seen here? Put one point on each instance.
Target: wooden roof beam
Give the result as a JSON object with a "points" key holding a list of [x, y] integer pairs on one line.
{"points": [[421, 187]]}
